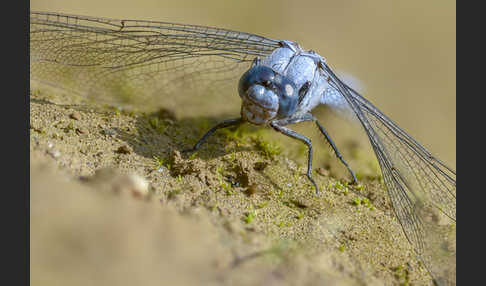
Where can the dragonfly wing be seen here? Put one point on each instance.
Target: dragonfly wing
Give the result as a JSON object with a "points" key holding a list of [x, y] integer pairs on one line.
{"points": [[141, 63], [422, 189]]}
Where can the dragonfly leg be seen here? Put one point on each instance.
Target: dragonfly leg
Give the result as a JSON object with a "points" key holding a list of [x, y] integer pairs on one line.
{"points": [[302, 138], [224, 124], [336, 151]]}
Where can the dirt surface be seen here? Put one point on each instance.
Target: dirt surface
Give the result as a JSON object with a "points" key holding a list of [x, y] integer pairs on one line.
{"points": [[114, 201]]}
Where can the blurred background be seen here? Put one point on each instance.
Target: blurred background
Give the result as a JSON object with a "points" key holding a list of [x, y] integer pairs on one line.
{"points": [[402, 54]]}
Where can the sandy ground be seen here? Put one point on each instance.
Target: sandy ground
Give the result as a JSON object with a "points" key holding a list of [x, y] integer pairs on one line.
{"points": [[114, 202]]}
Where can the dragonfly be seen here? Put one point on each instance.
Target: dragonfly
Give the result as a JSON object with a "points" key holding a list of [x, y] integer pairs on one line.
{"points": [[279, 84]]}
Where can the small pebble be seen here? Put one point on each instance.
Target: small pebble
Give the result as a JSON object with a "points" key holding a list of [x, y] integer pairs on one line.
{"points": [[260, 166], [124, 149], [302, 203], [112, 180], [323, 172], [75, 115], [54, 153], [81, 130], [138, 185], [252, 189], [372, 197]]}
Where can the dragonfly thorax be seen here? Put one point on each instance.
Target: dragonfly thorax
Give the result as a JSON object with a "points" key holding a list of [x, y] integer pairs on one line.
{"points": [[266, 95]]}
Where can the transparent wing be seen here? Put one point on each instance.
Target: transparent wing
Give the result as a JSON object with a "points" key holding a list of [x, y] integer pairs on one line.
{"points": [[421, 188], [141, 63]]}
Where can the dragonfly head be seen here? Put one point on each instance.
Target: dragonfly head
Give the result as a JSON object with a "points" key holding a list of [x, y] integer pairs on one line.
{"points": [[266, 95]]}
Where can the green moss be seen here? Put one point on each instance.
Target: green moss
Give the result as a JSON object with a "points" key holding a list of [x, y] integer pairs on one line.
{"points": [[220, 170], [213, 208], [158, 125], [282, 223], [363, 201], [116, 110], [250, 216], [226, 187], [262, 204], [401, 273], [300, 215], [269, 149], [193, 156], [237, 135], [159, 162], [359, 187], [382, 181], [69, 127], [55, 135], [338, 186], [153, 122]]}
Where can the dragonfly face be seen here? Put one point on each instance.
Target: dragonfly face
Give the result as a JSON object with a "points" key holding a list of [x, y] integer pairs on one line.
{"points": [[266, 95]]}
